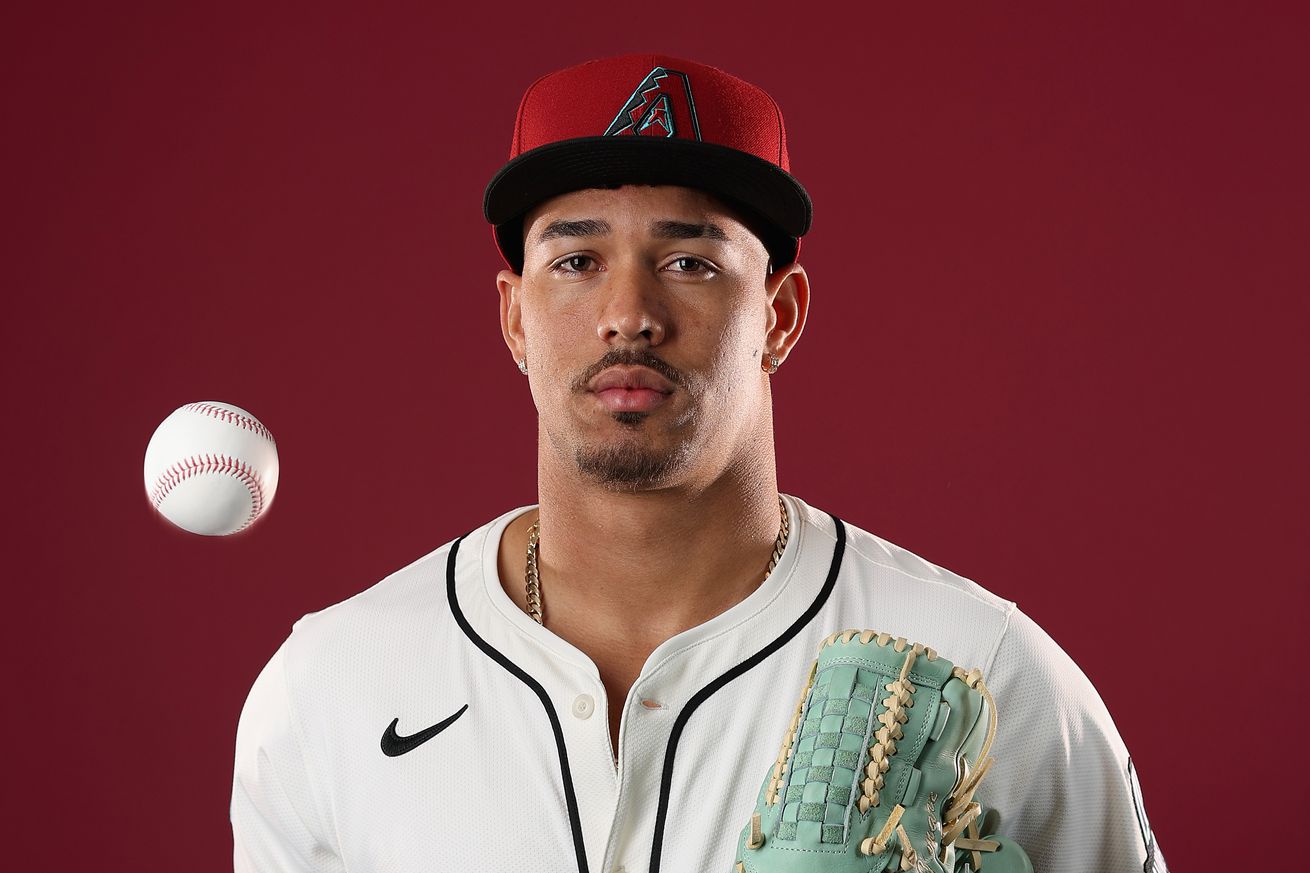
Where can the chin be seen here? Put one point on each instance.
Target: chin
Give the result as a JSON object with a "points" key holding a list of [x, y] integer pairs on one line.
{"points": [[629, 467]]}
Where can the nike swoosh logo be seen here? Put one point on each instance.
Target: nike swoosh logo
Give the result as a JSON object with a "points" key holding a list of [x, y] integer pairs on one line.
{"points": [[393, 744]]}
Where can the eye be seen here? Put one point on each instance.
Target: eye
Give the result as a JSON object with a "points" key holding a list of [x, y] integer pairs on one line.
{"points": [[688, 264], [574, 264]]}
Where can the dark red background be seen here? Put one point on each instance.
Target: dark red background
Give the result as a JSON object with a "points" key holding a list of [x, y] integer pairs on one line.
{"points": [[1056, 345]]}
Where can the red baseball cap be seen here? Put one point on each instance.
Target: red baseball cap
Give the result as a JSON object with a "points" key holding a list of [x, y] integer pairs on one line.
{"points": [[653, 120]]}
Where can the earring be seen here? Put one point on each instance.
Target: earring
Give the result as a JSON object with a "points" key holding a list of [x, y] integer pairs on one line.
{"points": [[523, 365], [773, 365]]}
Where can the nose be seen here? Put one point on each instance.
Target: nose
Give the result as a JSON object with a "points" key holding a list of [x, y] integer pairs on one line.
{"points": [[632, 309]]}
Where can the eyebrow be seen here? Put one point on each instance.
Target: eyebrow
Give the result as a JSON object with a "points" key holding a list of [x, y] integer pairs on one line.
{"points": [[687, 230], [666, 229], [580, 227]]}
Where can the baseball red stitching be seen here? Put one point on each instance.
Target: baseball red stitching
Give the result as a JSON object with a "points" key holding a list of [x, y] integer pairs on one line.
{"points": [[197, 464], [227, 415]]}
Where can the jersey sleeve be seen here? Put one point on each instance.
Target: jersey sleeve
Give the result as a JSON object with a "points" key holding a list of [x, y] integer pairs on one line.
{"points": [[1063, 782], [277, 824]]}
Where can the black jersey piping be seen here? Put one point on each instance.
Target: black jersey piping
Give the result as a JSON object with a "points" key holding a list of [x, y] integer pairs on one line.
{"points": [[666, 780], [570, 798]]}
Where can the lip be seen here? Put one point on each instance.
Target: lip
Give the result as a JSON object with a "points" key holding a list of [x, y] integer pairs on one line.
{"points": [[630, 389], [629, 379]]}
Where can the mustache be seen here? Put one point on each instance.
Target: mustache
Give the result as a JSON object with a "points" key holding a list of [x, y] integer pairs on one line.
{"points": [[630, 358]]}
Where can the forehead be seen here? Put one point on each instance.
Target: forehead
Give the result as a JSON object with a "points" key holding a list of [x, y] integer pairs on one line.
{"points": [[637, 209]]}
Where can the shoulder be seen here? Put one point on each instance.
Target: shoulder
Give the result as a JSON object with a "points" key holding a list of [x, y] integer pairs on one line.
{"points": [[925, 576], [890, 588], [405, 618], [401, 596], [1043, 684], [343, 644]]}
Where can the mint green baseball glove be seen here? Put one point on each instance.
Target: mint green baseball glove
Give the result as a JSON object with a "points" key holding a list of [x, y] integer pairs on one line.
{"points": [[879, 767]]}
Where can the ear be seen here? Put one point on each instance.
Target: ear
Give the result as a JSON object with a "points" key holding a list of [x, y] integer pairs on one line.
{"points": [[510, 286], [788, 290]]}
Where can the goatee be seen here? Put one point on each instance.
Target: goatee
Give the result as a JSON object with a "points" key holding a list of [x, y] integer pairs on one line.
{"points": [[629, 466]]}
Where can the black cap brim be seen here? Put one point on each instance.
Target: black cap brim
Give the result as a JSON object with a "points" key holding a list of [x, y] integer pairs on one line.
{"points": [[773, 203]]}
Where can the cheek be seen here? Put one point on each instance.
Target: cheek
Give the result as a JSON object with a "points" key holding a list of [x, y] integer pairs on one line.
{"points": [[736, 355], [743, 335], [556, 337]]}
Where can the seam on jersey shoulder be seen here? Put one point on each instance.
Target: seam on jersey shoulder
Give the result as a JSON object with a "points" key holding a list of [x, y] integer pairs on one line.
{"points": [[327, 817], [1010, 608], [331, 607], [1004, 607]]}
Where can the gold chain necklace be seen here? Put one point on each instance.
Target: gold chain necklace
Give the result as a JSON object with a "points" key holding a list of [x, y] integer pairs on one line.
{"points": [[533, 577]]}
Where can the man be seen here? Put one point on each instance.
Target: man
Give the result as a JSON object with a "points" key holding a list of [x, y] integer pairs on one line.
{"points": [[600, 682]]}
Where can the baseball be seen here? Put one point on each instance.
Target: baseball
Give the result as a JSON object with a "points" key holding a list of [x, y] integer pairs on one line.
{"points": [[211, 468]]}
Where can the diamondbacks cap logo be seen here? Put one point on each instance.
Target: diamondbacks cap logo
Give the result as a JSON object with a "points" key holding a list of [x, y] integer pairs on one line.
{"points": [[660, 106]]}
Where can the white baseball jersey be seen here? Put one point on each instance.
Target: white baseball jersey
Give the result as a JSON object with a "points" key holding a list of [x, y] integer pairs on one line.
{"points": [[428, 724]]}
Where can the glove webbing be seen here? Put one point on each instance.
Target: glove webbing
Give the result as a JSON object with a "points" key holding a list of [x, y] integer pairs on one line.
{"points": [[962, 812]]}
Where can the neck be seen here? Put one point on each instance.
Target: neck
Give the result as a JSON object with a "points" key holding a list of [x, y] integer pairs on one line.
{"points": [[645, 566]]}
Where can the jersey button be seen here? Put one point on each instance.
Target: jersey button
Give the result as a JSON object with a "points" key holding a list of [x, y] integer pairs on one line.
{"points": [[584, 705]]}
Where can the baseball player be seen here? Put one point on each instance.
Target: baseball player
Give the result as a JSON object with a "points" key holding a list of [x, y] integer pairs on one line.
{"points": [[599, 681]]}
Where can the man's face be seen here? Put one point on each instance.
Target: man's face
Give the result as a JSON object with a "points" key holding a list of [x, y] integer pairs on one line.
{"points": [[644, 313]]}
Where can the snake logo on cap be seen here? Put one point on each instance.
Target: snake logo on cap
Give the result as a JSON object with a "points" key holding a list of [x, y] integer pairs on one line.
{"points": [[659, 107]]}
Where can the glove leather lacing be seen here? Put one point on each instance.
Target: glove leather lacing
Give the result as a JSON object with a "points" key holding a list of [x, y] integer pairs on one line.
{"points": [[960, 826]]}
